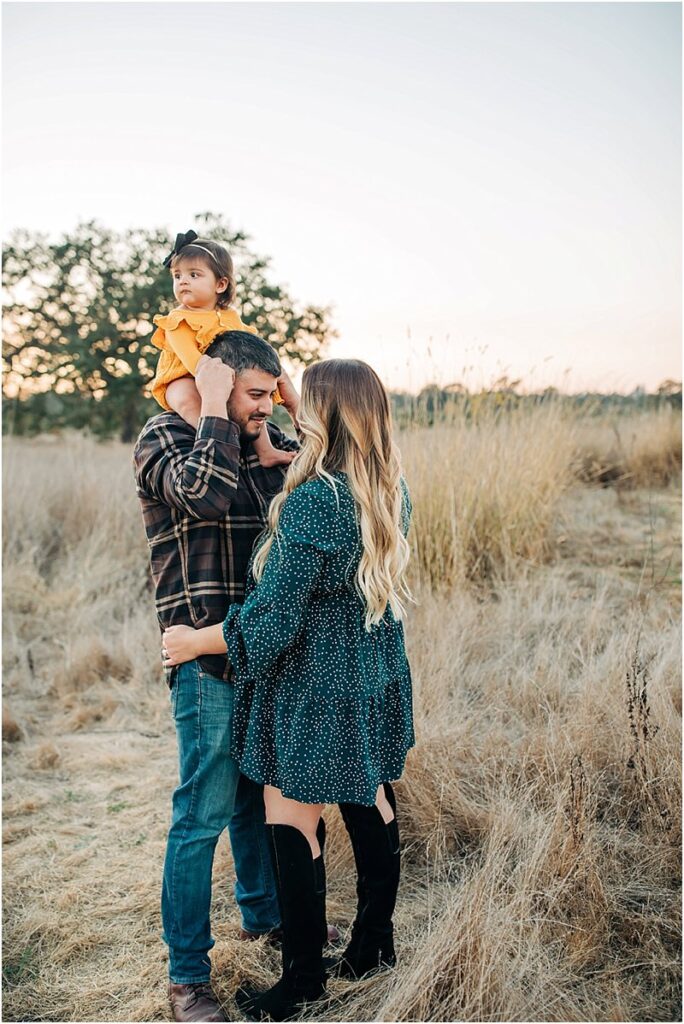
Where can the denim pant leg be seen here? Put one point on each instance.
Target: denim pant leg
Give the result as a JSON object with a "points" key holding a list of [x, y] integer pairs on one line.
{"points": [[202, 807], [255, 891]]}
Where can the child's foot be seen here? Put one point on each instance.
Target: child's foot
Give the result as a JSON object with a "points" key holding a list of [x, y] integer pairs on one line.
{"points": [[267, 454], [275, 457]]}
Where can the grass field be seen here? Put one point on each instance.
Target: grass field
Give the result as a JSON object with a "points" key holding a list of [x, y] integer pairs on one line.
{"points": [[540, 808]]}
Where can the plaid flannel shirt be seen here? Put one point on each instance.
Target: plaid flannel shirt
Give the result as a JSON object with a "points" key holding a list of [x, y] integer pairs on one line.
{"points": [[204, 502]]}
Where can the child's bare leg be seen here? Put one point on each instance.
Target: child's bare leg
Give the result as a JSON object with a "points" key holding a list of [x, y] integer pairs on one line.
{"points": [[183, 397], [280, 810]]}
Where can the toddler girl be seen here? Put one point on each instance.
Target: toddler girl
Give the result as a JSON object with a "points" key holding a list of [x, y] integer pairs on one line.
{"points": [[204, 286]]}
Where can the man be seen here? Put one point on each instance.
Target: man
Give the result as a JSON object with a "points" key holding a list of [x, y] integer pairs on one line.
{"points": [[205, 499]]}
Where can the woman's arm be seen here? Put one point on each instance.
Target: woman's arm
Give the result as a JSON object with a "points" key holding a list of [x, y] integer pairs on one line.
{"points": [[256, 632], [275, 611], [271, 618], [183, 643]]}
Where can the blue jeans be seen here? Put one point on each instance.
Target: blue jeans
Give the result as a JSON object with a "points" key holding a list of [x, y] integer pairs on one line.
{"points": [[212, 795]]}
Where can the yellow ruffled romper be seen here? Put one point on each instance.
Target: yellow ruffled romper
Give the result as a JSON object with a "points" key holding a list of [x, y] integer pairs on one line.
{"points": [[183, 336]]}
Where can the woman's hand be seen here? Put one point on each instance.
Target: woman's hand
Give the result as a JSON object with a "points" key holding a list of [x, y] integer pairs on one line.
{"points": [[179, 644]]}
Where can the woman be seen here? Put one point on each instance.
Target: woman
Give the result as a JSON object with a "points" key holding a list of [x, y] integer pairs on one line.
{"points": [[323, 687]]}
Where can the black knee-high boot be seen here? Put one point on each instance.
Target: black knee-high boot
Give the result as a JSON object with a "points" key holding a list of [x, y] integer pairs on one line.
{"points": [[300, 883], [320, 836], [376, 852]]}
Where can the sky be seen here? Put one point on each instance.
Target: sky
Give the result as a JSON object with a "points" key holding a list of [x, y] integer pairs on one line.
{"points": [[477, 189]]}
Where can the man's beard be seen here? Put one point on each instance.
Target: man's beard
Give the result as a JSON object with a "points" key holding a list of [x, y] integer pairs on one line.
{"points": [[250, 428], [250, 432]]}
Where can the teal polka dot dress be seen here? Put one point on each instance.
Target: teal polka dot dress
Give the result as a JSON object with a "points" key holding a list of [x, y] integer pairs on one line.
{"points": [[323, 708]]}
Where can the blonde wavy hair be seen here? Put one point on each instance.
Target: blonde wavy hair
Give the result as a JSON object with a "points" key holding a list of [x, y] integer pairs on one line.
{"points": [[345, 417]]}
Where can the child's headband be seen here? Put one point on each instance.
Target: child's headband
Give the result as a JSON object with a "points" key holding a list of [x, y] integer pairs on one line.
{"points": [[187, 239]]}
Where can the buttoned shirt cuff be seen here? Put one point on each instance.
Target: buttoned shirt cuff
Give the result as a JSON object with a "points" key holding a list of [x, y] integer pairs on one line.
{"points": [[219, 429]]}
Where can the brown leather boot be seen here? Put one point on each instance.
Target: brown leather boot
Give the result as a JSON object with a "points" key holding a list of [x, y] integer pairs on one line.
{"points": [[195, 1002]]}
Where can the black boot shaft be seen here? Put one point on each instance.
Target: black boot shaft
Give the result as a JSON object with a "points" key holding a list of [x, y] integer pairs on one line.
{"points": [[300, 883], [377, 857]]}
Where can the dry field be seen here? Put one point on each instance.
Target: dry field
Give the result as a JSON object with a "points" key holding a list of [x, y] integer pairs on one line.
{"points": [[540, 808]]}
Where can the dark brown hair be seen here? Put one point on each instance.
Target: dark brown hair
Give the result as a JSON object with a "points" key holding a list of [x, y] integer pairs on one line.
{"points": [[217, 259], [245, 351]]}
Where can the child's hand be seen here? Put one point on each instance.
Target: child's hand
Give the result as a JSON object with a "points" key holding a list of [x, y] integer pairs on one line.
{"points": [[288, 393], [179, 644]]}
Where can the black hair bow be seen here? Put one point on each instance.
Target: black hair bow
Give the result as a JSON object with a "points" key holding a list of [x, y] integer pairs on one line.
{"points": [[180, 243]]}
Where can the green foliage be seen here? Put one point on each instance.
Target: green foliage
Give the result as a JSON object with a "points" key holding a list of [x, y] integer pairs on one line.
{"points": [[78, 322], [115, 808], [16, 970]]}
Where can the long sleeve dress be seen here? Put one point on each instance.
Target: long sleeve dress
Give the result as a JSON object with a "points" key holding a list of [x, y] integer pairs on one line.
{"points": [[323, 707]]}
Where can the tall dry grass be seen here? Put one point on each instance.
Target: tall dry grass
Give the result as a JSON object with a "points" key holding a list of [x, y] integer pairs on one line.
{"points": [[486, 493], [631, 451], [540, 808]]}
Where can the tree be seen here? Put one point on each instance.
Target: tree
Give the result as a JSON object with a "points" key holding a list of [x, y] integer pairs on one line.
{"points": [[670, 392], [669, 387], [78, 322]]}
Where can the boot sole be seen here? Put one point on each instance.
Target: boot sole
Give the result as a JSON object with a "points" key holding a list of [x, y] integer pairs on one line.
{"points": [[333, 967], [245, 998]]}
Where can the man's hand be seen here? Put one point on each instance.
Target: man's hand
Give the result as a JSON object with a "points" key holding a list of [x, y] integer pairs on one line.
{"points": [[179, 643], [289, 395], [214, 380]]}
